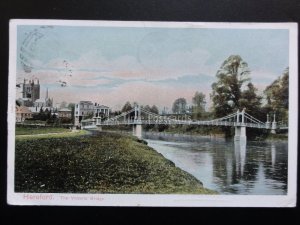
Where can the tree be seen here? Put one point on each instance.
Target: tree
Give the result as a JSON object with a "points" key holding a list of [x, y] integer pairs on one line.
{"points": [[198, 105], [251, 102], [72, 107], [41, 110], [147, 108], [277, 96], [46, 114], [179, 106], [89, 115], [154, 109], [127, 107], [227, 91]]}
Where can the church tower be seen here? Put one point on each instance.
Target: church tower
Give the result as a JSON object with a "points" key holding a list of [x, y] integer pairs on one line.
{"points": [[48, 101], [31, 90]]}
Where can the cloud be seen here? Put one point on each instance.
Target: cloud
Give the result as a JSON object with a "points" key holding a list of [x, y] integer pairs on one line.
{"points": [[114, 91], [262, 78], [55, 77], [144, 93], [264, 75], [138, 66]]}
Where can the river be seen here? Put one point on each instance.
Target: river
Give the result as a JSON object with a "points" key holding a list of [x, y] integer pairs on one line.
{"points": [[251, 168]]}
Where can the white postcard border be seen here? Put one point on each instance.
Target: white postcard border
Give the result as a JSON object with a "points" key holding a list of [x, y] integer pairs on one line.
{"points": [[288, 200]]}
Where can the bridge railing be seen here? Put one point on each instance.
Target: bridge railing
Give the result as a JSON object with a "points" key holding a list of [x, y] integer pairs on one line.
{"points": [[152, 118], [180, 122]]}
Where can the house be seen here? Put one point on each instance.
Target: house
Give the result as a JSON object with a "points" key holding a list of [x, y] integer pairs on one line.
{"points": [[22, 113], [82, 110], [88, 110], [64, 113], [101, 110]]}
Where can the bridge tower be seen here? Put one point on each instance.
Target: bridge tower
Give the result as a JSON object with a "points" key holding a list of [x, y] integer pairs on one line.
{"points": [[98, 124], [268, 124], [240, 127], [137, 124], [274, 125]]}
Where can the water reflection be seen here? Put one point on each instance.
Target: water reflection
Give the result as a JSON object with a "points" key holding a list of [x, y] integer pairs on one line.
{"points": [[231, 167], [273, 154], [240, 156]]}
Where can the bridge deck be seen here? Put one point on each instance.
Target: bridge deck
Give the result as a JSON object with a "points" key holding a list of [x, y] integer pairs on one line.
{"points": [[178, 122], [237, 119]]}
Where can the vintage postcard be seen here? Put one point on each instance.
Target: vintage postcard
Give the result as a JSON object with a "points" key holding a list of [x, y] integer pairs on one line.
{"points": [[112, 113]]}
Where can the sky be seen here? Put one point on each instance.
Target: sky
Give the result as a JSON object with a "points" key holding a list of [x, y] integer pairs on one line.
{"points": [[112, 65]]}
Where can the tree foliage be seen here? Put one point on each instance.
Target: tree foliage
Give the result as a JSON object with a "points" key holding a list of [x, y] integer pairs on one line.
{"points": [[251, 101], [227, 91], [198, 105], [127, 107], [89, 115], [179, 106], [72, 107], [42, 115], [154, 109], [277, 95]]}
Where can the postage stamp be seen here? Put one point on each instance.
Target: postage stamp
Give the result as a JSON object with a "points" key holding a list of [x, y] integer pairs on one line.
{"points": [[114, 113]]}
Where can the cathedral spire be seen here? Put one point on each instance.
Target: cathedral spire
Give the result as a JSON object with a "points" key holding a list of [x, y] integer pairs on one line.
{"points": [[47, 94]]}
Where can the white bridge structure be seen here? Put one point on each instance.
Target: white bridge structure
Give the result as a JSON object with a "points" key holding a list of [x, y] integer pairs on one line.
{"points": [[138, 116]]}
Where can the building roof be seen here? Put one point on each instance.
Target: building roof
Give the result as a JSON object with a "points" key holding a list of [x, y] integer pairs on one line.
{"points": [[64, 110], [86, 102], [37, 109], [22, 109], [101, 107], [40, 100]]}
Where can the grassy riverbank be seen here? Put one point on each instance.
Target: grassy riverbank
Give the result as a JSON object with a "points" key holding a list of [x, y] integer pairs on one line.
{"points": [[39, 130], [107, 163]]}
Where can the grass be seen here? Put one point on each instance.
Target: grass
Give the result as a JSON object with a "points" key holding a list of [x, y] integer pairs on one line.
{"points": [[39, 130], [65, 134], [106, 163]]}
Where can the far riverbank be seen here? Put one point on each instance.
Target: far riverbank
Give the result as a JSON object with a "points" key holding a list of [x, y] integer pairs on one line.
{"points": [[200, 137]]}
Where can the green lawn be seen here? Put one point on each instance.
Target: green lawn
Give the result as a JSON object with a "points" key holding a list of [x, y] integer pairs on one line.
{"points": [[106, 163], [39, 130]]}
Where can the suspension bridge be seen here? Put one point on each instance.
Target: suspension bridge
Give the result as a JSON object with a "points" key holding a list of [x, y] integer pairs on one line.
{"points": [[138, 116]]}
